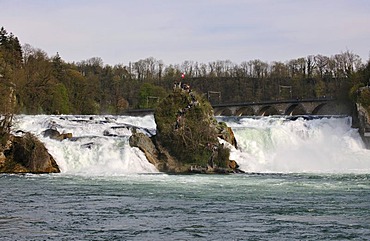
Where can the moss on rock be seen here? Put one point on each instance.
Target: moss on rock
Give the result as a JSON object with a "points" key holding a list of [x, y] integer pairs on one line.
{"points": [[187, 137], [186, 127]]}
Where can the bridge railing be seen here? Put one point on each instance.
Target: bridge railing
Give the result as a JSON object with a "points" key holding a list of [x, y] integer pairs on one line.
{"points": [[142, 112], [272, 102]]}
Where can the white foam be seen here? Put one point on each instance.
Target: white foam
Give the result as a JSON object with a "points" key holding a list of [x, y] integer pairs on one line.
{"points": [[91, 153], [327, 145], [269, 144]]}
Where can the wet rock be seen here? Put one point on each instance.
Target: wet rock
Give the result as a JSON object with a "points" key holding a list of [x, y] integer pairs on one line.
{"points": [[26, 154], [226, 133], [56, 135], [156, 154]]}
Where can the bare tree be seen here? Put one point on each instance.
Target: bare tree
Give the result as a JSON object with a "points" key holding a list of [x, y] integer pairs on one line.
{"points": [[321, 62], [310, 65]]}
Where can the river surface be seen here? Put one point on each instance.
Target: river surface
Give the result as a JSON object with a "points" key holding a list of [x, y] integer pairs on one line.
{"points": [[306, 179], [185, 207]]}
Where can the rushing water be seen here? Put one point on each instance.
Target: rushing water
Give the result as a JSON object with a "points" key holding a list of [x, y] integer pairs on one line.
{"points": [[307, 179]]}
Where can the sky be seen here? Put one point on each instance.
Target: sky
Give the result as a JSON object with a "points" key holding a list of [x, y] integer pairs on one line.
{"points": [[123, 31]]}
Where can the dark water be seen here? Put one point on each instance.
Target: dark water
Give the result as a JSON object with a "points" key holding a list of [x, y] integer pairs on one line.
{"points": [[194, 207]]}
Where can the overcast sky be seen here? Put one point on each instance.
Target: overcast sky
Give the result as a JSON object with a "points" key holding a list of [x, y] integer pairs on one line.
{"points": [[120, 31]]}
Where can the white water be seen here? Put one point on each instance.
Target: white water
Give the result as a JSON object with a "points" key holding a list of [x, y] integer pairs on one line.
{"points": [[276, 144], [269, 144], [92, 152]]}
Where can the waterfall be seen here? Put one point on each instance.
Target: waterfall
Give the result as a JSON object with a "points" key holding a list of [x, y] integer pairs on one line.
{"points": [[304, 144], [266, 144]]}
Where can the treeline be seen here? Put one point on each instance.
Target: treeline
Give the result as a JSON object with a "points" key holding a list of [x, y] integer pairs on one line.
{"points": [[49, 85]]}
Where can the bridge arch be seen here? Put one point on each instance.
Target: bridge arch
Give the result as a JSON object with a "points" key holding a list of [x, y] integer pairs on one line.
{"points": [[283, 107], [246, 111], [317, 109], [295, 109], [333, 108], [268, 110], [223, 112]]}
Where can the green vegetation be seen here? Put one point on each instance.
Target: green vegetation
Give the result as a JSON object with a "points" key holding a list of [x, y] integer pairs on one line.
{"points": [[188, 141], [360, 87], [150, 95], [364, 98], [31, 82], [49, 85], [186, 127], [10, 62]]}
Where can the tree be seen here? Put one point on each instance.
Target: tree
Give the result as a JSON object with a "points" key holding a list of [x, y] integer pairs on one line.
{"points": [[150, 95], [60, 101], [321, 62], [37, 82], [279, 70], [45, 84], [10, 48], [76, 85], [10, 60], [310, 63], [7, 110], [58, 67]]}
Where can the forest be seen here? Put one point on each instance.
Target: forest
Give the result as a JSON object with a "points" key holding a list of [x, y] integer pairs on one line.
{"points": [[31, 82]]}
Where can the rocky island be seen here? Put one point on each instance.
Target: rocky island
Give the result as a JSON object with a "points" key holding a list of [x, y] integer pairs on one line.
{"points": [[188, 136]]}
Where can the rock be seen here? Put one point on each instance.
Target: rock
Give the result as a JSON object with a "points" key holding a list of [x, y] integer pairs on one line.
{"points": [[361, 120], [361, 114], [126, 129], [233, 164], [54, 134], [226, 133], [145, 144], [156, 155], [88, 145], [186, 137], [66, 136], [27, 155], [51, 133], [185, 130], [2, 159]]}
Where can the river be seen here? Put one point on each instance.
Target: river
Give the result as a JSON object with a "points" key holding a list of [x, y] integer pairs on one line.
{"points": [[307, 178]]}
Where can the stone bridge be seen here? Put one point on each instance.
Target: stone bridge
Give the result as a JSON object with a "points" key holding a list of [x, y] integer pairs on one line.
{"points": [[321, 106]]}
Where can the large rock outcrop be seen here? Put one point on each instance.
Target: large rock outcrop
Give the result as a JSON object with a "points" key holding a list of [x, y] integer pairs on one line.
{"points": [[361, 116], [187, 135], [361, 120], [26, 154]]}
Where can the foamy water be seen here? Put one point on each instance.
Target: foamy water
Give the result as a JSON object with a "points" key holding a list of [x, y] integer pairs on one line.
{"points": [[92, 151], [269, 144], [318, 145], [109, 191]]}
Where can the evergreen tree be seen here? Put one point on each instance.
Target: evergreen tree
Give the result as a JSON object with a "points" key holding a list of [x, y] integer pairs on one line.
{"points": [[10, 60]]}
